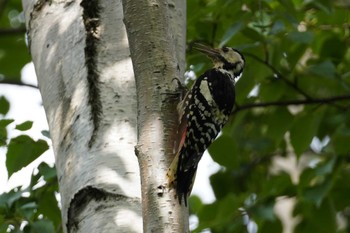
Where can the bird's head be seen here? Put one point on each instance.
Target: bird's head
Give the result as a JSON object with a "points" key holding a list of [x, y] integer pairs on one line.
{"points": [[225, 58]]}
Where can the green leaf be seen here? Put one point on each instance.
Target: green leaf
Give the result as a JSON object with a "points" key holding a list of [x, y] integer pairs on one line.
{"points": [[279, 122], [288, 4], [220, 183], [253, 35], [34, 180], [46, 133], [341, 188], [278, 185], [272, 89], [28, 209], [207, 216], [271, 227], [324, 69], [46, 171], [265, 210], [23, 150], [326, 167], [301, 37], [304, 128], [228, 207], [3, 131], [219, 214], [236, 27], [224, 151], [320, 219], [322, 86], [13, 55], [295, 53], [316, 182], [277, 27], [195, 204], [25, 126], [7, 199], [317, 193], [324, 5], [340, 140], [4, 105], [3, 226], [43, 226], [5, 122], [336, 54], [48, 206], [244, 86]]}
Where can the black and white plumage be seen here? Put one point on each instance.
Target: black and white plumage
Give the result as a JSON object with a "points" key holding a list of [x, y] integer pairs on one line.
{"points": [[203, 112]]}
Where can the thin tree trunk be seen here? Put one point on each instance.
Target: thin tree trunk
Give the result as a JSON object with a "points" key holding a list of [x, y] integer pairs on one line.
{"points": [[81, 56], [156, 31]]}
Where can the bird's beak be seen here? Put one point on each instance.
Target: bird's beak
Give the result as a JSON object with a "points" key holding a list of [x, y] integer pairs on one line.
{"points": [[212, 53]]}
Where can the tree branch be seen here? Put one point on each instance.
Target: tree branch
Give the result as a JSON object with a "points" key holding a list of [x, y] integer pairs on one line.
{"points": [[279, 75], [17, 83], [292, 102], [12, 31]]}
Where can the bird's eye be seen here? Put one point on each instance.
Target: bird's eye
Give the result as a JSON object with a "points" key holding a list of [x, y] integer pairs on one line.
{"points": [[225, 49]]}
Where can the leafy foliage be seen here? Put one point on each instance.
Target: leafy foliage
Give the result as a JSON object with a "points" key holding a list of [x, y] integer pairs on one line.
{"points": [[296, 52], [13, 51], [21, 151], [34, 208]]}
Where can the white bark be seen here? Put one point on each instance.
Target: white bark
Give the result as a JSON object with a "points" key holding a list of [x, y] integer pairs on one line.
{"points": [[90, 105]]}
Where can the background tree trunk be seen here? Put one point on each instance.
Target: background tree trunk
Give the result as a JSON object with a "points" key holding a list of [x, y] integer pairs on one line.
{"points": [[81, 56]]}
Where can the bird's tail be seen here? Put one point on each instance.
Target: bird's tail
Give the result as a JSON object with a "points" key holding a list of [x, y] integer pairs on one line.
{"points": [[184, 183]]}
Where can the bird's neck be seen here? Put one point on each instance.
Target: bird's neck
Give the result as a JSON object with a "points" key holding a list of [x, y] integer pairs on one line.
{"points": [[225, 71]]}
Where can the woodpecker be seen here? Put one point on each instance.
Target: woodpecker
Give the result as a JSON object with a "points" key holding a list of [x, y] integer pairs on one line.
{"points": [[203, 112]]}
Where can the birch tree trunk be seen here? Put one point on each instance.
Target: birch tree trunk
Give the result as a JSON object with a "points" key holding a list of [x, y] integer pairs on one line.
{"points": [[81, 56], [156, 31]]}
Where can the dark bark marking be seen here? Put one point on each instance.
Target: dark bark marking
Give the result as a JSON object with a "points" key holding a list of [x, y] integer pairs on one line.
{"points": [[91, 14], [78, 204], [82, 199]]}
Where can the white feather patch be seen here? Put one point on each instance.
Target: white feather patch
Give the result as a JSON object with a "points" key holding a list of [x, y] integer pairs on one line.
{"points": [[204, 89]]}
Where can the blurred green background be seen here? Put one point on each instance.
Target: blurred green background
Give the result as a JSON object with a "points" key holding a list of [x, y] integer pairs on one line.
{"points": [[287, 141]]}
